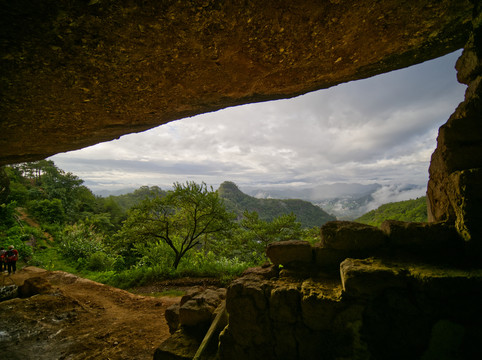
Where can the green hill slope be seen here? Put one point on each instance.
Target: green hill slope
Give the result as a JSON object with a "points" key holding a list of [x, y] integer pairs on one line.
{"points": [[409, 210], [306, 213]]}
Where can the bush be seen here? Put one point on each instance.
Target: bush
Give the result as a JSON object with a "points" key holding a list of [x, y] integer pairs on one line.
{"points": [[210, 265], [79, 242], [47, 211], [99, 261]]}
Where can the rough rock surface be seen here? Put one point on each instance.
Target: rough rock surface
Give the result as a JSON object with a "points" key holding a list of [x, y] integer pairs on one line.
{"points": [[288, 252], [198, 308], [35, 286], [188, 322], [373, 309], [454, 193], [75, 73], [349, 235]]}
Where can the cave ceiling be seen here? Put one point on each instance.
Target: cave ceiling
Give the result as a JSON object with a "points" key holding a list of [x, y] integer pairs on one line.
{"points": [[76, 73]]}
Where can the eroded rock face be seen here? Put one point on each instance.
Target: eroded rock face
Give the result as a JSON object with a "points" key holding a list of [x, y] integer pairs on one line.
{"points": [[373, 309], [75, 73], [454, 192]]}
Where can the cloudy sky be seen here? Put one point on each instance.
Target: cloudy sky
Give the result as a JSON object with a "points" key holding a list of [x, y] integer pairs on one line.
{"points": [[378, 130]]}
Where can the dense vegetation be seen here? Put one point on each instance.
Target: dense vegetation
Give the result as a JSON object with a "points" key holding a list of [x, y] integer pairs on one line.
{"points": [[409, 210], [307, 214], [57, 223]]}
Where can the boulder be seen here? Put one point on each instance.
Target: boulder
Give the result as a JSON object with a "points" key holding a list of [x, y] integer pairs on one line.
{"points": [[430, 240], [8, 292], [329, 258], [348, 235], [367, 278], [200, 307], [320, 302], [172, 317], [267, 272], [290, 252], [34, 286], [180, 346]]}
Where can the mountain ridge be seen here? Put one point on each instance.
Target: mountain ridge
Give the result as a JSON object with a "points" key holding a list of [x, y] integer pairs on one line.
{"points": [[308, 214]]}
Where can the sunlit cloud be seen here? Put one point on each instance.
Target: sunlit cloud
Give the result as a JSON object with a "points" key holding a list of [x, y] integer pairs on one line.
{"points": [[379, 130]]}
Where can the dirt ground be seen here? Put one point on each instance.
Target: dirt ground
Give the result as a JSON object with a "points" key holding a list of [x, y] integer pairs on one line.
{"points": [[80, 319]]}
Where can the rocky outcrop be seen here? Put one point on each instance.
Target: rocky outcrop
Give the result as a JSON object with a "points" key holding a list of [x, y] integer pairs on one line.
{"points": [[189, 321], [454, 193], [373, 308], [34, 286], [360, 293], [75, 73]]}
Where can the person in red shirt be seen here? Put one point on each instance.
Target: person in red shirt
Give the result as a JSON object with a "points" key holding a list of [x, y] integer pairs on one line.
{"points": [[3, 259], [12, 257]]}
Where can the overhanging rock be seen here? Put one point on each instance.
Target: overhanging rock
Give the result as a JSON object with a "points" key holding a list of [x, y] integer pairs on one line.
{"points": [[75, 73]]}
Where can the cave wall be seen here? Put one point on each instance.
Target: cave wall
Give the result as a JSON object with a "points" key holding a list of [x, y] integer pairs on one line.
{"points": [[454, 192], [75, 73]]}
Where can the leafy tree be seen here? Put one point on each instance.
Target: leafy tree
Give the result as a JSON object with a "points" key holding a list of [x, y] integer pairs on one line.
{"points": [[180, 219], [283, 227], [49, 211], [254, 235]]}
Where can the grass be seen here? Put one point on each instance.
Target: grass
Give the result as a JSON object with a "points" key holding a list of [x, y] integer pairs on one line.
{"points": [[225, 270]]}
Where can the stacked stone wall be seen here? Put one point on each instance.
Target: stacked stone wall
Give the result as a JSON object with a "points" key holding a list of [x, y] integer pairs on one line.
{"points": [[392, 305]]}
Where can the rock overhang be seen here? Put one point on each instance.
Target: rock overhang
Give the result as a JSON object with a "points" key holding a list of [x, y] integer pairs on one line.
{"points": [[75, 73]]}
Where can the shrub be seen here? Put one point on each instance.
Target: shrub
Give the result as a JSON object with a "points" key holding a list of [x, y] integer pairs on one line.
{"points": [[49, 211], [99, 261], [80, 242]]}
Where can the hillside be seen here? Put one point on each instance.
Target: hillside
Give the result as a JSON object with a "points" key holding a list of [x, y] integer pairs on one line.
{"points": [[409, 210], [306, 213], [126, 201]]}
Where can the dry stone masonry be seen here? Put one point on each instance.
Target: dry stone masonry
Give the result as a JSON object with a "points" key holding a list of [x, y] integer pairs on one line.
{"points": [[389, 306]]}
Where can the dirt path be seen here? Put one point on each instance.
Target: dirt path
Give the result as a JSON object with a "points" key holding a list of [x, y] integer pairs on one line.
{"points": [[81, 319]]}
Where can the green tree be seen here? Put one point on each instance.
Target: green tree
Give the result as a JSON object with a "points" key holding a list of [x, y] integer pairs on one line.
{"points": [[255, 234], [284, 227], [49, 211], [180, 219]]}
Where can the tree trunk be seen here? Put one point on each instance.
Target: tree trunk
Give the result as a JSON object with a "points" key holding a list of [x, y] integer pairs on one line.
{"points": [[176, 261]]}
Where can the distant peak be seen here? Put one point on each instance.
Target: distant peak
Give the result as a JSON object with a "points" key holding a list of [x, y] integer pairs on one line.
{"points": [[229, 185]]}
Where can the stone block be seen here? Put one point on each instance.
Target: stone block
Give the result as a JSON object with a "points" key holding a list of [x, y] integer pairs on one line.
{"points": [[180, 346], [367, 278], [284, 304], [290, 252], [329, 258], [200, 307], [348, 235], [172, 317], [423, 238]]}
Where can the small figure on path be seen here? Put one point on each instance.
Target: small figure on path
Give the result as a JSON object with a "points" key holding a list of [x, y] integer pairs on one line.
{"points": [[12, 257], [3, 259]]}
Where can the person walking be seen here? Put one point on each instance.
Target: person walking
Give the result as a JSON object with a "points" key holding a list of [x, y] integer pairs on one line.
{"points": [[3, 259], [12, 257]]}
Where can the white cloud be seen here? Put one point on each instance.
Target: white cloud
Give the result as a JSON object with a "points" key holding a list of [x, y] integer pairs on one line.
{"points": [[381, 129]]}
